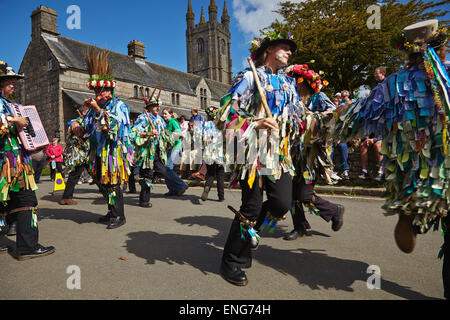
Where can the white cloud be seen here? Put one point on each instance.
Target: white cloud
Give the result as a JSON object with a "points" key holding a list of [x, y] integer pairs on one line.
{"points": [[254, 15]]}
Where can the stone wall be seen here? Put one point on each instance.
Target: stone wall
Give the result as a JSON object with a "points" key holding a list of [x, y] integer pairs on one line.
{"points": [[41, 85]]}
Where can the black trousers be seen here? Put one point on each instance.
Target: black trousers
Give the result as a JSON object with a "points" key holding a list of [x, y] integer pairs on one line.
{"points": [[148, 174], [132, 181], [216, 171], [59, 168], [72, 180], [117, 209], [446, 265], [27, 235], [237, 251], [37, 167], [304, 193]]}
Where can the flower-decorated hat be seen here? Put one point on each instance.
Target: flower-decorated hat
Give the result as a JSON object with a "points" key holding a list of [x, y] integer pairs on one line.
{"points": [[212, 112], [302, 73], [277, 35], [416, 37], [100, 71], [152, 100], [8, 72]]}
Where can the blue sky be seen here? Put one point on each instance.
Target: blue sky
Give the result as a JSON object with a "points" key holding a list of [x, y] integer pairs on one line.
{"points": [[160, 25]]}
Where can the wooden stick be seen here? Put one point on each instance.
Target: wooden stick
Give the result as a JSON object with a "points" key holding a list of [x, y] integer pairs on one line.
{"points": [[260, 90], [237, 212]]}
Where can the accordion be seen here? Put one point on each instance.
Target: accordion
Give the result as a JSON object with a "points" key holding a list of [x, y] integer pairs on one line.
{"points": [[32, 136]]}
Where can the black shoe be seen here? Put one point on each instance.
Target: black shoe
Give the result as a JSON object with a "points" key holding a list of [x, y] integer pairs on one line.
{"points": [[294, 234], [234, 275], [3, 248], [41, 251], [205, 193], [169, 194], [116, 222], [105, 219], [338, 220], [12, 229], [145, 204], [181, 192]]}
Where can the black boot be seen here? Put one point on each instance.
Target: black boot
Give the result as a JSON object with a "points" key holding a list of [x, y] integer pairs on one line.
{"points": [[145, 204], [204, 196], [116, 222], [233, 275], [40, 251], [294, 234], [3, 248]]}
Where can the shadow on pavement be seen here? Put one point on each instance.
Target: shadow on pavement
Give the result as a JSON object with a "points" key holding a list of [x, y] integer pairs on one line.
{"points": [[78, 216], [312, 268]]}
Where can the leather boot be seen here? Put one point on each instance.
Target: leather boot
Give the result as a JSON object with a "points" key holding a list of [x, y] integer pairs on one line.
{"points": [[233, 275], [205, 193]]}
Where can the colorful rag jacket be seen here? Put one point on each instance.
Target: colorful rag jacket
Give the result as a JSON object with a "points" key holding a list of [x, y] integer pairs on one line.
{"points": [[15, 162], [410, 109], [312, 151], [76, 151], [145, 147], [212, 144], [108, 136], [283, 101]]}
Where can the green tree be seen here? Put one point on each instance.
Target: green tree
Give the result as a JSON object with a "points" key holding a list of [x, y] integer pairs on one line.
{"points": [[335, 34]]}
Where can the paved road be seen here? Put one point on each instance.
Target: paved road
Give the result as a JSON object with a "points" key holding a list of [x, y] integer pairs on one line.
{"points": [[173, 251]]}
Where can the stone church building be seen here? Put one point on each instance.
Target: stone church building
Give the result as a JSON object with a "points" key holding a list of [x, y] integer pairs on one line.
{"points": [[56, 75]]}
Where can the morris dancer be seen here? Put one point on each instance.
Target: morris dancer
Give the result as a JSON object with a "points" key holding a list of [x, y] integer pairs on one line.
{"points": [[241, 110], [411, 111], [75, 160], [151, 141], [174, 183], [107, 126], [313, 153], [17, 185], [213, 155]]}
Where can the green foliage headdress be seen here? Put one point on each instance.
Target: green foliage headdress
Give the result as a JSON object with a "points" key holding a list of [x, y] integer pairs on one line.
{"points": [[279, 34]]}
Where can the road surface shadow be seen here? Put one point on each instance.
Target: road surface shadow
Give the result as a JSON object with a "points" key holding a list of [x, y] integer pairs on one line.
{"points": [[312, 268], [72, 214]]}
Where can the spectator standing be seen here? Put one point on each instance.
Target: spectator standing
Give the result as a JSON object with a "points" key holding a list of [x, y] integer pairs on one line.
{"points": [[54, 153], [374, 143], [184, 125], [196, 117]]}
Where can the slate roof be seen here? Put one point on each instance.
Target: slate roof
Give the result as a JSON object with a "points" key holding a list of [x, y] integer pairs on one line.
{"points": [[71, 53], [135, 106]]}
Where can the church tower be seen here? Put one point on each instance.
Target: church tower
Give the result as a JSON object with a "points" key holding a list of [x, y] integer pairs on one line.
{"points": [[208, 44]]}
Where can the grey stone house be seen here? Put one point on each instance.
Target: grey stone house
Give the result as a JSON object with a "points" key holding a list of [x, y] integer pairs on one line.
{"points": [[56, 77]]}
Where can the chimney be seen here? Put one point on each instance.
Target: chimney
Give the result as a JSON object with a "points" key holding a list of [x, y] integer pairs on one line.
{"points": [[43, 20], [136, 49]]}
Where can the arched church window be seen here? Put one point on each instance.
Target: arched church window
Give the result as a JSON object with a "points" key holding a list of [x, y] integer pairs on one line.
{"points": [[223, 48], [135, 92], [201, 45]]}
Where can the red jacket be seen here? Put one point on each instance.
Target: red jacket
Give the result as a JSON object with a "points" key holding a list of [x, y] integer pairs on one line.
{"points": [[54, 151]]}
